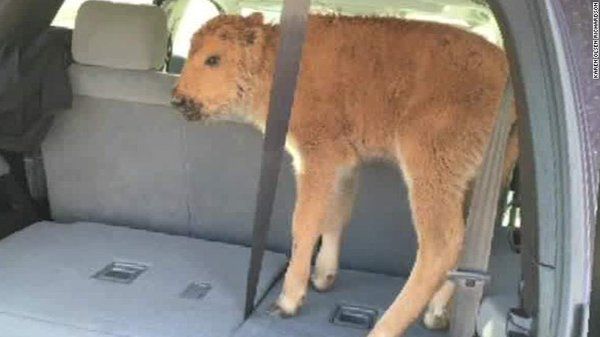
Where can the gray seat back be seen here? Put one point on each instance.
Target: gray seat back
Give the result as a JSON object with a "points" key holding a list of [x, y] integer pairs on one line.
{"points": [[111, 160], [115, 155]]}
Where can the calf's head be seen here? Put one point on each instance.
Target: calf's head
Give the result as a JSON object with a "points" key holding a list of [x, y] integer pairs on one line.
{"points": [[225, 56]]}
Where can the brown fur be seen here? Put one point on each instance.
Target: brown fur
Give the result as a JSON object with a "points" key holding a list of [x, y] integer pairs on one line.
{"points": [[422, 95]]}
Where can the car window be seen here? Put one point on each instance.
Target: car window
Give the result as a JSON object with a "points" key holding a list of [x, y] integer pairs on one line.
{"points": [[471, 15], [65, 17], [185, 18]]}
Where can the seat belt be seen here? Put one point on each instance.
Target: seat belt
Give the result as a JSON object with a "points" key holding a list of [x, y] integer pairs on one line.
{"points": [[471, 274], [294, 17]]}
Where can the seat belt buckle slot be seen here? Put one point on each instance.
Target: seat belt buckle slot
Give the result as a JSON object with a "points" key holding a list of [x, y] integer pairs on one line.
{"points": [[469, 278], [354, 316]]}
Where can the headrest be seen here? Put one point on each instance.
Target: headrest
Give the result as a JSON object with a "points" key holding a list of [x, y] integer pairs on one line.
{"points": [[120, 35]]}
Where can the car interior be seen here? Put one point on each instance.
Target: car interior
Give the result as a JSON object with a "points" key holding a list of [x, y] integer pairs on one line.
{"points": [[150, 216]]}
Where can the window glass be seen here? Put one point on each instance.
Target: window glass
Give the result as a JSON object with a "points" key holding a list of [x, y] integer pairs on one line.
{"points": [[68, 11], [185, 18], [471, 15]]}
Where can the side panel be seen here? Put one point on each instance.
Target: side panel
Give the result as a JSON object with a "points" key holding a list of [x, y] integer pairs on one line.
{"points": [[555, 166]]}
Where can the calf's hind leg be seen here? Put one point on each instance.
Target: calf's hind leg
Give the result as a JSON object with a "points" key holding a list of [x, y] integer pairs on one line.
{"points": [[437, 316], [436, 199]]}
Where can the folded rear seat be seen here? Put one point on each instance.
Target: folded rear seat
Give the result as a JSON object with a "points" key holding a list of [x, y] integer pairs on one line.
{"points": [[118, 157], [55, 280], [360, 298], [348, 310]]}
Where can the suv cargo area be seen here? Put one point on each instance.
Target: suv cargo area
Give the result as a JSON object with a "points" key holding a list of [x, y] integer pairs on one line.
{"points": [[152, 216]]}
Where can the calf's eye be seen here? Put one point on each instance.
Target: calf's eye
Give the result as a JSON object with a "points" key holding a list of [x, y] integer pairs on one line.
{"points": [[213, 61]]}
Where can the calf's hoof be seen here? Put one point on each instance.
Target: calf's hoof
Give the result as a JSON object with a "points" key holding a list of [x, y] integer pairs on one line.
{"points": [[285, 308], [379, 332], [276, 310], [436, 319], [323, 282]]}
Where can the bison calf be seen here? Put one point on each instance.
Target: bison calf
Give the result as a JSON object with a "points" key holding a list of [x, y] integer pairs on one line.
{"points": [[422, 95]]}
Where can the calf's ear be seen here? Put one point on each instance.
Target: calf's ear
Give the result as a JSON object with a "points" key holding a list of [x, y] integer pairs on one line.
{"points": [[255, 18], [253, 28]]}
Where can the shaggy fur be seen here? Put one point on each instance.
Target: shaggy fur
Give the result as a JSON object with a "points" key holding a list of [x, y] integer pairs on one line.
{"points": [[422, 95]]}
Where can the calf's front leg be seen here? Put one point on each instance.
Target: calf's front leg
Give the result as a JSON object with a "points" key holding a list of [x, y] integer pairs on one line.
{"points": [[332, 230], [316, 190]]}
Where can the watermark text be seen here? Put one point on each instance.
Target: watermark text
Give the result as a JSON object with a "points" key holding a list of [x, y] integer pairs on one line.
{"points": [[596, 40]]}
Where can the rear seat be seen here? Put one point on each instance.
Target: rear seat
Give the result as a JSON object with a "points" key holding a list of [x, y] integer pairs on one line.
{"points": [[117, 157]]}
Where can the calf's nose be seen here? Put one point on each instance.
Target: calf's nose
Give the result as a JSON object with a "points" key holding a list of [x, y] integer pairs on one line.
{"points": [[177, 101]]}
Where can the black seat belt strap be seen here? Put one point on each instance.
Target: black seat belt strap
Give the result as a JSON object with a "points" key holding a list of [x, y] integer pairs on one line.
{"points": [[293, 23], [471, 274]]}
